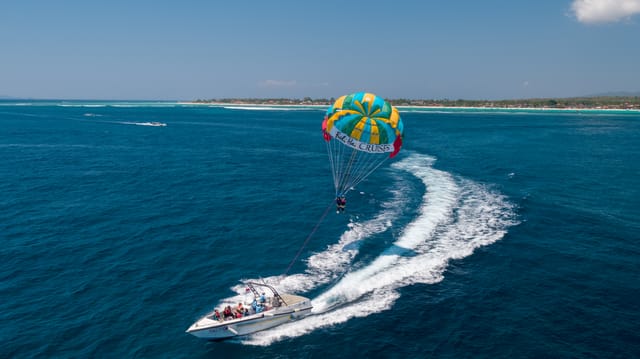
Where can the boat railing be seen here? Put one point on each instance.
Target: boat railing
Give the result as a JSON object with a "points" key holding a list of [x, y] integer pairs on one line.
{"points": [[277, 299]]}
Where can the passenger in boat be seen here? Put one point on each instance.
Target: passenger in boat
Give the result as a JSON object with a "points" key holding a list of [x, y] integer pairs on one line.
{"points": [[254, 305], [216, 315], [263, 299], [227, 313], [239, 311], [246, 312]]}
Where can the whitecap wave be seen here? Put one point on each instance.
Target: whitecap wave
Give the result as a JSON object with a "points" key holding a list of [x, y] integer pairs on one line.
{"points": [[80, 105], [145, 104], [16, 104]]}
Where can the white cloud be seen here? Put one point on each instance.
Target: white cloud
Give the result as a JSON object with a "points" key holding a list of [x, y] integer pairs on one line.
{"points": [[601, 11], [278, 83]]}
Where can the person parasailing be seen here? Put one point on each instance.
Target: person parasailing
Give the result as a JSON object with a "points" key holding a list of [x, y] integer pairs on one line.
{"points": [[361, 131], [341, 203]]}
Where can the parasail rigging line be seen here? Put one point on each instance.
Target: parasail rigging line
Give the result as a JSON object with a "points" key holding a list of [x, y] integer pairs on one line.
{"points": [[349, 169]]}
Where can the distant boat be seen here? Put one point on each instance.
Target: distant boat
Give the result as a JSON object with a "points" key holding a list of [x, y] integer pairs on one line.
{"points": [[266, 311], [154, 124]]}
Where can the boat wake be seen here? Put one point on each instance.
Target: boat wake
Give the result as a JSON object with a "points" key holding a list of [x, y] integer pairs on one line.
{"points": [[152, 124], [455, 217]]}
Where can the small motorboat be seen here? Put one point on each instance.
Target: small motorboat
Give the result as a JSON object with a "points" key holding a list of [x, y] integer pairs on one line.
{"points": [[267, 310]]}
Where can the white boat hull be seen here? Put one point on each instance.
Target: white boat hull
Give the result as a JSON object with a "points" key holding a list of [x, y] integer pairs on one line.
{"points": [[211, 329], [229, 329]]}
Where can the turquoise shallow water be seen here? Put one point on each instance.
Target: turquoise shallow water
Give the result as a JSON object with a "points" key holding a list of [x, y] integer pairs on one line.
{"points": [[493, 234]]}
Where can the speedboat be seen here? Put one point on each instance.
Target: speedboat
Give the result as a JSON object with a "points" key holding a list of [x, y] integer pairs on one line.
{"points": [[267, 310]]}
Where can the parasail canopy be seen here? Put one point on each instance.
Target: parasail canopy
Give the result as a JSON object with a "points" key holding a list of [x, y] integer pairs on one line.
{"points": [[361, 131]]}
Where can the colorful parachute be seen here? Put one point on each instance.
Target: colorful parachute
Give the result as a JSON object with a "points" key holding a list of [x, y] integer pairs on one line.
{"points": [[360, 130]]}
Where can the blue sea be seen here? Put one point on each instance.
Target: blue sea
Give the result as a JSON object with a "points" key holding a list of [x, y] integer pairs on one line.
{"points": [[493, 234]]}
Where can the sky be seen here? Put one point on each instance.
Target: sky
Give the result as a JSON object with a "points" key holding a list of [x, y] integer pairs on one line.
{"points": [[190, 49]]}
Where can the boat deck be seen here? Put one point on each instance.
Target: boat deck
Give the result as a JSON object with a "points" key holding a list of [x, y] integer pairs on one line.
{"points": [[292, 299]]}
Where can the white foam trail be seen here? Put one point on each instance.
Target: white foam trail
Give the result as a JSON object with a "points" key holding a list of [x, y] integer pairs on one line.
{"points": [[437, 207], [360, 309], [455, 217]]}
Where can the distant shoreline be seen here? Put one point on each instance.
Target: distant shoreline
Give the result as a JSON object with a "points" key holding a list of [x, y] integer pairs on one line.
{"points": [[569, 103], [401, 107], [239, 104]]}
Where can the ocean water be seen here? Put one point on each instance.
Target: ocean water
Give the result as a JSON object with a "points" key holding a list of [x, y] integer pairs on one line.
{"points": [[493, 234]]}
